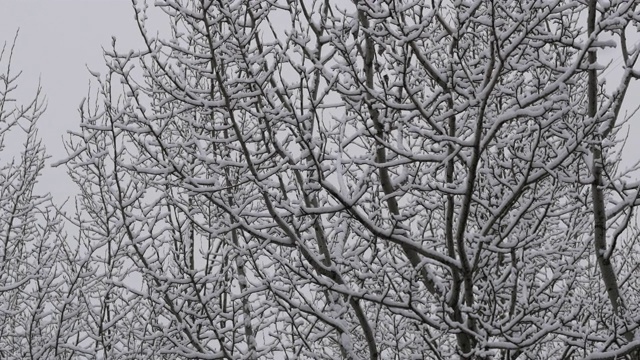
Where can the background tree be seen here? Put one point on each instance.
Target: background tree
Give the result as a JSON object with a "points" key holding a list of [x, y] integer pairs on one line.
{"points": [[32, 249], [375, 179]]}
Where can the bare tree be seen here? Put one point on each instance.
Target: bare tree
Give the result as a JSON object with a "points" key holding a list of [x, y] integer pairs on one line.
{"points": [[374, 179]]}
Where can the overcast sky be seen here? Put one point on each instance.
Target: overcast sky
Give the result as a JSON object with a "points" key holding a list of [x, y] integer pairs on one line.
{"points": [[59, 39]]}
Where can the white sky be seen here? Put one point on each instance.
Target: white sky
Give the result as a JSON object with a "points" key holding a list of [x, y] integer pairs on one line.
{"points": [[59, 38]]}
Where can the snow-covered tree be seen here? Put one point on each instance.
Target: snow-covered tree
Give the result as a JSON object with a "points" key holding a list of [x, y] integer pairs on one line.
{"points": [[32, 251], [362, 180]]}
